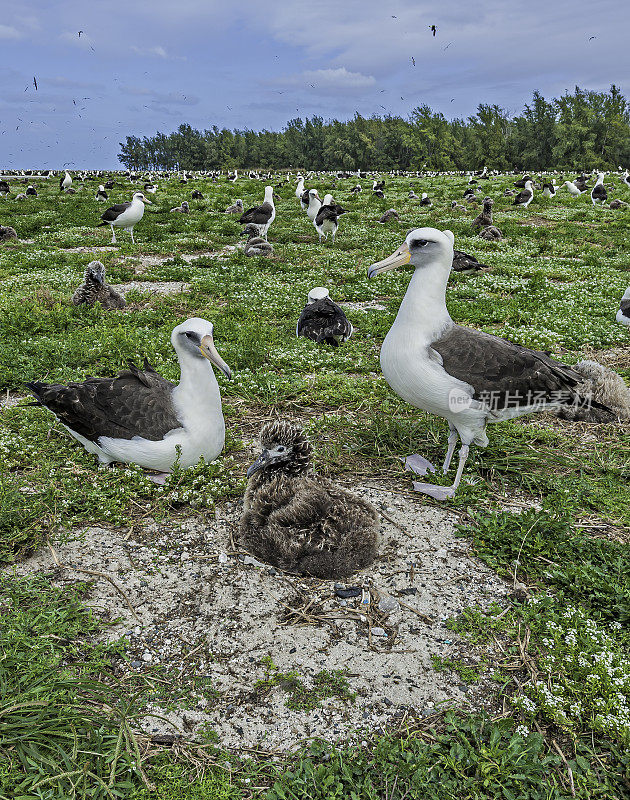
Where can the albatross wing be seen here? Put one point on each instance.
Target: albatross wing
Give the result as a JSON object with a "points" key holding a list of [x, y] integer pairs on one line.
{"points": [[135, 403]]}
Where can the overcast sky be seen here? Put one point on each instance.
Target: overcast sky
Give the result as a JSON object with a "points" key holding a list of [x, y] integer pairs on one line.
{"points": [[140, 66]]}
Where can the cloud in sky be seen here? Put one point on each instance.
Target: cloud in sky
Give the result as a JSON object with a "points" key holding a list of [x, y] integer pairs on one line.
{"points": [[156, 50], [167, 98], [9, 32], [330, 81]]}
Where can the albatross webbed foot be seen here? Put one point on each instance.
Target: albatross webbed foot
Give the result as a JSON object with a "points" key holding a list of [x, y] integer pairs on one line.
{"points": [[418, 465], [436, 492], [159, 478]]}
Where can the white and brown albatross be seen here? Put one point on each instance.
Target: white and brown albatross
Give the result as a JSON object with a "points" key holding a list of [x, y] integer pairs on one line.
{"points": [[466, 376], [140, 417], [322, 320], [125, 215], [261, 216]]}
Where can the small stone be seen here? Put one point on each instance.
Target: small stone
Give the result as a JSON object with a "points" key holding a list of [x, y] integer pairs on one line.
{"points": [[379, 632], [408, 590], [441, 553], [136, 664], [351, 591], [146, 656], [387, 701], [223, 558], [388, 604]]}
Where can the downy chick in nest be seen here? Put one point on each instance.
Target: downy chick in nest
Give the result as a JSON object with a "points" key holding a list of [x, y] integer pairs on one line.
{"points": [[95, 290], [301, 522]]}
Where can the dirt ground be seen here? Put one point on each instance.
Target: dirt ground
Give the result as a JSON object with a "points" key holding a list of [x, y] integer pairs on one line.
{"points": [[201, 605]]}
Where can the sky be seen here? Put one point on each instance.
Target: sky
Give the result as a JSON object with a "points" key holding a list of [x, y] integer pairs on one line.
{"points": [[138, 67]]}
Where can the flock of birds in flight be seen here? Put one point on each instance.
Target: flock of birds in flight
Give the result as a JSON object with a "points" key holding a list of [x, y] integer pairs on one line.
{"points": [[292, 518]]}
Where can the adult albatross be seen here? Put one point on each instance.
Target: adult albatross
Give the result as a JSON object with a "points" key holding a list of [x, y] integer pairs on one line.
{"points": [[125, 215], [468, 377], [140, 417]]}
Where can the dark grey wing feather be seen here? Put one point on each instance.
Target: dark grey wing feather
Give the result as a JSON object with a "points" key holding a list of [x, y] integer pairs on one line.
{"points": [[324, 322], [463, 262], [326, 212], [624, 307], [135, 403], [113, 212], [508, 373], [522, 197], [259, 215]]}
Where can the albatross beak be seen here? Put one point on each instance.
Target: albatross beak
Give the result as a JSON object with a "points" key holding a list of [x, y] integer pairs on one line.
{"points": [[144, 200], [398, 259], [260, 462], [209, 351]]}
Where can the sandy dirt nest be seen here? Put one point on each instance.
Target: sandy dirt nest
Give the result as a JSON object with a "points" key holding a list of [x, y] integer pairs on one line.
{"points": [[204, 606]]}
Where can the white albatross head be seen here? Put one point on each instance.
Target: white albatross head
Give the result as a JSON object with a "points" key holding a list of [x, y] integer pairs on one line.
{"points": [[139, 196], [195, 338], [422, 247], [317, 293]]}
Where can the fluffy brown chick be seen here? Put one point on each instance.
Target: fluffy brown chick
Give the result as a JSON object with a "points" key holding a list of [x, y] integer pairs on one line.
{"points": [[301, 522], [485, 218]]}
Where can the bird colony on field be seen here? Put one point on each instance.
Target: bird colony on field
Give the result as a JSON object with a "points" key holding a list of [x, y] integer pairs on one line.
{"points": [[256, 412]]}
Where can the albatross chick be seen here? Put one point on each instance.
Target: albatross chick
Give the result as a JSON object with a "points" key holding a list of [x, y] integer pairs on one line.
{"points": [[301, 522], [95, 290]]}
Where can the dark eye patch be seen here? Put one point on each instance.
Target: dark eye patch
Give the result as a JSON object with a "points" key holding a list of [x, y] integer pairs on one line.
{"points": [[420, 242]]}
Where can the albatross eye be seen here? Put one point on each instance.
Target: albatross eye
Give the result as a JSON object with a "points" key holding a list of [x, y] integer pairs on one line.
{"points": [[280, 449], [421, 242]]}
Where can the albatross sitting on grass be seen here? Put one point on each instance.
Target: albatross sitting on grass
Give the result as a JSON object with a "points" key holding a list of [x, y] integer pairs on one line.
{"points": [[125, 215], [140, 417], [468, 377], [322, 320]]}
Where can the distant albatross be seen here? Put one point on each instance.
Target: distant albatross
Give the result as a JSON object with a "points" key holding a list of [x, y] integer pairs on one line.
{"points": [[262, 216], [125, 215], [468, 377], [139, 417], [623, 315]]}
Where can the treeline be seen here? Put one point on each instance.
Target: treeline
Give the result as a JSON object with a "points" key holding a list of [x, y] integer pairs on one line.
{"points": [[584, 130]]}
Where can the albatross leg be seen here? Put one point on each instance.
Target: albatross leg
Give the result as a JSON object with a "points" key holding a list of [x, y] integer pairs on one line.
{"points": [[444, 492], [452, 441], [113, 235], [131, 232]]}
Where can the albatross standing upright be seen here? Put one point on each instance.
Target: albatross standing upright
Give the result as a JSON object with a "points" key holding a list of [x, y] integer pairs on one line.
{"points": [[468, 377], [140, 417], [262, 216], [125, 215]]}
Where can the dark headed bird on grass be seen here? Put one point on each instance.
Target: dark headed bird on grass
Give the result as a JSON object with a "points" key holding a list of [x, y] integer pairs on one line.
{"points": [[237, 208], [95, 290], [262, 216], [255, 245], [464, 262], [391, 213], [301, 522], [484, 219], [322, 320], [7, 233]]}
